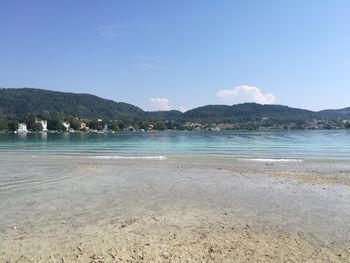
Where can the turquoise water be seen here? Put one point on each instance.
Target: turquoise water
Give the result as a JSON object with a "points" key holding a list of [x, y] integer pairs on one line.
{"points": [[235, 144]]}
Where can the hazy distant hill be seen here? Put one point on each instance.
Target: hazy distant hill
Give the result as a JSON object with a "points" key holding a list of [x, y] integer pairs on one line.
{"points": [[16, 103], [247, 111], [172, 114], [335, 114]]}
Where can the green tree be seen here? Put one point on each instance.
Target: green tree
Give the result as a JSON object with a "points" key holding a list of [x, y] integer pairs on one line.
{"points": [[3, 125], [114, 126], [122, 125], [30, 121], [160, 126], [36, 127], [74, 124], [55, 124], [13, 125], [95, 125]]}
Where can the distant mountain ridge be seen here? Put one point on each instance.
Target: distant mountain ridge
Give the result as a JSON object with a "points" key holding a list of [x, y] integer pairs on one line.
{"points": [[334, 114], [246, 112], [18, 103]]}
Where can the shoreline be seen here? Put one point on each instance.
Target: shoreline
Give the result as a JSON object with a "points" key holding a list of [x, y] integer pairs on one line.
{"points": [[177, 130]]}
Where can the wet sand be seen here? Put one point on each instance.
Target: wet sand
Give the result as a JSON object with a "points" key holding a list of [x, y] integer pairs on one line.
{"points": [[78, 209]]}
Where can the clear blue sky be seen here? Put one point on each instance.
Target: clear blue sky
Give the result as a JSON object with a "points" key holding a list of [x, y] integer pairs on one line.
{"points": [[189, 52]]}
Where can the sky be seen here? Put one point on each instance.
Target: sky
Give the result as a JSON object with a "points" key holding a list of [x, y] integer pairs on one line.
{"points": [[162, 55]]}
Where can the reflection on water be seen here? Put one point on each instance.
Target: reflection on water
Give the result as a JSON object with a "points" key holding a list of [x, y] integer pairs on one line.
{"points": [[238, 144], [22, 135], [43, 136]]}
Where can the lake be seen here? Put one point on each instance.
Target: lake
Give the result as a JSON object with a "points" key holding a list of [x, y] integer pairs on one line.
{"points": [[333, 144]]}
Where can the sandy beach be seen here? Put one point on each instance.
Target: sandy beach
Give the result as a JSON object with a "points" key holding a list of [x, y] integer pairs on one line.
{"points": [[58, 208]]}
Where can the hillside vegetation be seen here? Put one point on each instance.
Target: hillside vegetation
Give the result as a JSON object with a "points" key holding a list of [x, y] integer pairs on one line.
{"points": [[24, 105], [18, 103], [247, 112]]}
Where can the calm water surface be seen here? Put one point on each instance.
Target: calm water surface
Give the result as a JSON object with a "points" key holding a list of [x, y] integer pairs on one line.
{"points": [[235, 144], [49, 178]]}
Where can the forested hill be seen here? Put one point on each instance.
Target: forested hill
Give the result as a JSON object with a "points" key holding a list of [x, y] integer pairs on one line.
{"points": [[17, 103], [335, 114], [165, 115], [248, 111]]}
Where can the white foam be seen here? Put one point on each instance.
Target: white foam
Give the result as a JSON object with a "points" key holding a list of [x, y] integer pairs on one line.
{"points": [[271, 160], [160, 157]]}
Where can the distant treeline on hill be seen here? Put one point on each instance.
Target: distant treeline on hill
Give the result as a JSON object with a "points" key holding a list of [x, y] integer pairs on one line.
{"points": [[24, 105], [18, 103]]}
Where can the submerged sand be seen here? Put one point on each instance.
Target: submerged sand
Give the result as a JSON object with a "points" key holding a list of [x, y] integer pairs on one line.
{"points": [[78, 209]]}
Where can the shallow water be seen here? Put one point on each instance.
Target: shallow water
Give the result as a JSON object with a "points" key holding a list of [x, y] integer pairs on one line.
{"points": [[333, 144], [39, 192], [89, 179]]}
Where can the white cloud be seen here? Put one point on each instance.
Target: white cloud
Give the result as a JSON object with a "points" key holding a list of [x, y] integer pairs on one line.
{"points": [[244, 93], [160, 103], [183, 109]]}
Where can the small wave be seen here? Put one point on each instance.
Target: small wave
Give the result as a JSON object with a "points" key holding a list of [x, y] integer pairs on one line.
{"points": [[271, 160], [160, 157]]}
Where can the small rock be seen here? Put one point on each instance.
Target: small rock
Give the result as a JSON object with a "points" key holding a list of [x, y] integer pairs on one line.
{"points": [[14, 227]]}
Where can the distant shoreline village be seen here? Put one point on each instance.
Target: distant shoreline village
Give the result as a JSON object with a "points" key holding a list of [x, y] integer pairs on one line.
{"points": [[101, 126], [36, 110]]}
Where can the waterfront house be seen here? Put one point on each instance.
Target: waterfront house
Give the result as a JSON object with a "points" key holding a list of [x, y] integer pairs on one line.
{"points": [[82, 125], [22, 127], [66, 125], [105, 129], [43, 124], [131, 128]]}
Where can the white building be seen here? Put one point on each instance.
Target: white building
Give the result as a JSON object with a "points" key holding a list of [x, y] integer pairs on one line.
{"points": [[22, 127], [82, 125], [66, 125], [43, 124]]}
